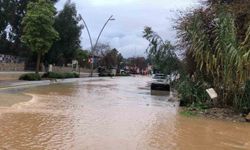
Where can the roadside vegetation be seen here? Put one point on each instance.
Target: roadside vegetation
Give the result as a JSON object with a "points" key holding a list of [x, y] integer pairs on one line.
{"points": [[56, 75], [217, 55], [41, 35], [67, 47], [49, 75], [161, 53], [30, 77], [38, 31], [215, 41]]}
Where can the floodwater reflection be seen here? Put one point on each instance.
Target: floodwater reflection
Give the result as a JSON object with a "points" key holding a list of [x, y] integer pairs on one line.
{"points": [[110, 114]]}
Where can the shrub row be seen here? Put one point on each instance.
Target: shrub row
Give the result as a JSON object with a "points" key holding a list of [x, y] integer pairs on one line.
{"points": [[55, 75], [30, 77], [50, 75]]}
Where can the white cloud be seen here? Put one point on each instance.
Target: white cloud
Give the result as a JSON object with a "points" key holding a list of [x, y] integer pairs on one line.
{"points": [[125, 33], [109, 2]]}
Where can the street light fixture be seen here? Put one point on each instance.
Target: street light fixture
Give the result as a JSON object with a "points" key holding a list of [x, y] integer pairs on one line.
{"points": [[93, 47]]}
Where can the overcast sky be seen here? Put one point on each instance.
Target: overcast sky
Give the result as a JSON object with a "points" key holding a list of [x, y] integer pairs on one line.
{"points": [[125, 33]]}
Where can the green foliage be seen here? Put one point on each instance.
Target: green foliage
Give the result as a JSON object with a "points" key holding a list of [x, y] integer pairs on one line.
{"points": [[3, 16], [56, 75], [111, 58], [192, 92], [67, 25], [82, 57], [30, 77], [12, 13], [71, 75], [210, 39], [193, 109], [242, 102], [160, 52], [38, 31], [188, 113], [200, 106]]}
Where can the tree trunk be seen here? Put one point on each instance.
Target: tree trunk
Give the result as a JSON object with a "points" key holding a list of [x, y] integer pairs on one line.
{"points": [[38, 62]]}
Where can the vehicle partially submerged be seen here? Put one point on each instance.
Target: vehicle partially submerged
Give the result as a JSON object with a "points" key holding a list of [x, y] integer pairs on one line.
{"points": [[160, 82]]}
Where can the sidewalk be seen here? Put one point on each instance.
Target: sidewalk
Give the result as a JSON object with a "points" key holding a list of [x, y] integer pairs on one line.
{"points": [[15, 75], [6, 85]]}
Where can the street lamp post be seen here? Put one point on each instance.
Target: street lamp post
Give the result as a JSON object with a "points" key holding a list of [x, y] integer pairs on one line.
{"points": [[93, 47]]}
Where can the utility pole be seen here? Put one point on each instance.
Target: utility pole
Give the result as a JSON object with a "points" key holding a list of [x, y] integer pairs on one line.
{"points": [[93, 47]]}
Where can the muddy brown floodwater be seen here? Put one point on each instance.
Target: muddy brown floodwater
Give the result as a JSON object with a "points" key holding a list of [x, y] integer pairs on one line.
{"points": [[111, 114]]}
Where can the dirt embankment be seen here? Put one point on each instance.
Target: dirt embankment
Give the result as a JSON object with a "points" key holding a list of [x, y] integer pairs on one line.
{"points": [[218, 113]]}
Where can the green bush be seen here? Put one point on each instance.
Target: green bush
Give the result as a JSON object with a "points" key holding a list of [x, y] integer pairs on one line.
{"points": [[192, 93], [71, 75], [53, 75], [30, 77], [242, 102], [56, 75]]}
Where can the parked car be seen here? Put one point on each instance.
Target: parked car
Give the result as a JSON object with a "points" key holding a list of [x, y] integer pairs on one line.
{"points": [[160, 82], [104, 72]]}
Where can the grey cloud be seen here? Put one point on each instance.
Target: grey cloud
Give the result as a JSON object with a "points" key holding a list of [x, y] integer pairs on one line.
{"points": [[125, 33]]}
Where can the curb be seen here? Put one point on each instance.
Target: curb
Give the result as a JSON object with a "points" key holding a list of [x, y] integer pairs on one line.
{"points": [[27, 84]]}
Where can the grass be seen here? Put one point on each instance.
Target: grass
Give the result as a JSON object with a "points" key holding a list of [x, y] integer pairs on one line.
{"points": [[188, 113]]}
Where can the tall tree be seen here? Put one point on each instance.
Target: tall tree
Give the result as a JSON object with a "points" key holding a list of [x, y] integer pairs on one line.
{"points": [[82, 57], [67, 25], [3, 20], [11, 16], [111, 58], [3, 25], [160, 52], [101, 49], [137, 62], [39, 33]]}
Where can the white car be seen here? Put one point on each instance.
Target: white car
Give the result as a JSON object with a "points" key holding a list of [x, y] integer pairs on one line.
{"points": [[160, 79], [160, 82]]}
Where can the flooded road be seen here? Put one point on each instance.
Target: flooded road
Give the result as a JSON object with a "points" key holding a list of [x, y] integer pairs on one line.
{"points": [[111, 114]]}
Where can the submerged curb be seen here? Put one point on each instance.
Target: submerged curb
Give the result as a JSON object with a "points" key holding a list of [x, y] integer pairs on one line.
{"points": [[26, 84]]}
